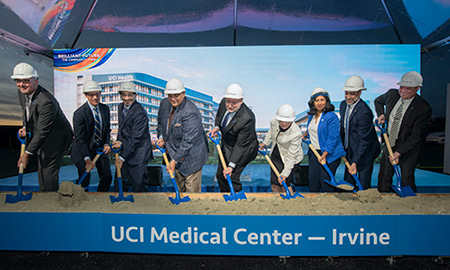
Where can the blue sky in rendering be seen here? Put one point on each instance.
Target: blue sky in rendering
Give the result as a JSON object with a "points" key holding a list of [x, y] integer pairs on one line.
{"points": [[270, 75]]}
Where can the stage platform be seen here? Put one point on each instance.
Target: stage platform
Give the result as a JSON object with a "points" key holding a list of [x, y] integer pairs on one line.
{"points": [[255, 178]]}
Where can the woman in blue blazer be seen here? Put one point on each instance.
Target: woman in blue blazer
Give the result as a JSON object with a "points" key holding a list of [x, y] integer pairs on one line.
{"points": [[323, 132]]}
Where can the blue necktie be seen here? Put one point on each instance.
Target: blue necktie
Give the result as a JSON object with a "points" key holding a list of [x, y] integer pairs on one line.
{"points": [[97, 127], [124, 111], [225, 121]]}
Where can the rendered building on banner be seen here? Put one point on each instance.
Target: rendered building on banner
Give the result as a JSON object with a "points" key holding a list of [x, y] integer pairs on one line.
{"points": [[150, 92]]}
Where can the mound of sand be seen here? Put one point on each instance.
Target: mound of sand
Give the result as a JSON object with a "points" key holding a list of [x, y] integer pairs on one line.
{"points": [[72, 198]]}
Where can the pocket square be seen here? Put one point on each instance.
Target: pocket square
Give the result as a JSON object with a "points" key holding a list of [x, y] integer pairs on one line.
{"points": [[177, 125]]}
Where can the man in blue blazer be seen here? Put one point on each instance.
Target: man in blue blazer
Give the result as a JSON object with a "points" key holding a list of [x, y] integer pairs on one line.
{"points": [[91, 124], [181, 131], [358, 133], [236, 122], [413, 119], [47, 131], [134, 136]]}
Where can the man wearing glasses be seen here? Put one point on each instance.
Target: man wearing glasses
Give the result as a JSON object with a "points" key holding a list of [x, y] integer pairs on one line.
{"points": [[181, 131], [47, 130], [134, 137], [91, 125]]}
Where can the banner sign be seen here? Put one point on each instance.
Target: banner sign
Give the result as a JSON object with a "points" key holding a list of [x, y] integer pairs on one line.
{"points": [[227, 235]]}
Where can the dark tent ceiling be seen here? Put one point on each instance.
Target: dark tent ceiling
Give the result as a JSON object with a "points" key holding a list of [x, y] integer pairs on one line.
{"points": [[40, 26]]}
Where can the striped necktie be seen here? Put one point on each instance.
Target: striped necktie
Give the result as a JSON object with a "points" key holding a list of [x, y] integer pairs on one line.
{"points": [[225, 121], [396, 124], [97, 127], [347, 117], [27, 107]]}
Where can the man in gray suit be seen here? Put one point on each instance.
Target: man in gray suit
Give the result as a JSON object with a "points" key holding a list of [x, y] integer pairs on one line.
{"points": [[134, 136], [180, 129], [50, 132]]}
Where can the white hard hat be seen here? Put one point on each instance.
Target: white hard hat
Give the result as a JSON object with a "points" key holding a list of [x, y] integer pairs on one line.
{"points": [[127, 87], [174, 86], [24, 71], [319, 91], [91, 86], [353, 84], [235, 91], [285, 113], [411, 79]]}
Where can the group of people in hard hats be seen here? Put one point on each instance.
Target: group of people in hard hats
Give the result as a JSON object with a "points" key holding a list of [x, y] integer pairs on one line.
{"points": [[181, 133]]}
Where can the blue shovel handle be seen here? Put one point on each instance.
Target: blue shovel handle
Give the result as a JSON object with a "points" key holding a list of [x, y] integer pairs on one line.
{"points": [[215, 141]]}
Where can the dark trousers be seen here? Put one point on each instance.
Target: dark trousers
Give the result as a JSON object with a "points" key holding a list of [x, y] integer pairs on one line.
{"points": [[134, 176], [235, 179], [104, 173], [407, 169], [48, 170], [364, 173], [317, 174]]}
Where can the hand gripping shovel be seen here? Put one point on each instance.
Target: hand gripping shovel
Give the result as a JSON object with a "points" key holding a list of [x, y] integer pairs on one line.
{"points": [[120, 197], [404, 191], [341, 184], [233, 195], [99, 153], [19, 196], [177, 200], [288, 193], [360, 187]]}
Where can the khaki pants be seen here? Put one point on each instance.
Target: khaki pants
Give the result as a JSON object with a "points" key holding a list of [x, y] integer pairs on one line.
{"points": [[190, 183]]}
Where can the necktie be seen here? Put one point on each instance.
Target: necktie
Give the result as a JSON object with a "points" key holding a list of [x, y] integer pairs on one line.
{"points": [[347, 117], [396, 124], [172, 112], [97, 127], [27, 107], [124, 111], [225, 121]]}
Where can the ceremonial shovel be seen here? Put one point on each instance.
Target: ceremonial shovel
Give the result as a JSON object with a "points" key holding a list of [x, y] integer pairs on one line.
{"points": [[288, 193], [233, 195]]}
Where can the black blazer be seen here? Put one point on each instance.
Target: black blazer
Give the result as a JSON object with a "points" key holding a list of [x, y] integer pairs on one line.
{"points": [[413, 128], [239, 140], [134, 135], [83, 125], [363, 144], [50, 130]]}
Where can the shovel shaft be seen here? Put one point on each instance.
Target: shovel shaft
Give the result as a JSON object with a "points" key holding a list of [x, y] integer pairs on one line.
{"points": [[316, 153], [222, 159], [272, 166], [119, 174], [166, 160]]}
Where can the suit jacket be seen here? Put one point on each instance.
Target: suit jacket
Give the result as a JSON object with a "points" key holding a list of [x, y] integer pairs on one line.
{"points": [[413, 128], [328, 133], [363, 144], [50, 130], [185, 139], [134, 135], [83, 125], [289, 144], [239, 140]]}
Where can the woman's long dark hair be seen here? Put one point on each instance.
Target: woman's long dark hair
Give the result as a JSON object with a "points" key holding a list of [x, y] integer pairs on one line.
{"points": [[328, 107]]}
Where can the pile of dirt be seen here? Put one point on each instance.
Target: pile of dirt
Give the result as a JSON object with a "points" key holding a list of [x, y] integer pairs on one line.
{"points": [[72, 198]]}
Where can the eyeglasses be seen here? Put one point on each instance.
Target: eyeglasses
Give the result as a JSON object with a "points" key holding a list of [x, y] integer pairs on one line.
{"points": [[92, 94], [174, 95], [24, 81]]}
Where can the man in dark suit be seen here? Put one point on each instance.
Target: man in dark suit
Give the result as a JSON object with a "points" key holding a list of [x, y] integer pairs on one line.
{"points": [[180, 129], [51, 133], [134, 136], [358, 134], [236, 122], [407, 116], [91, 124]]}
